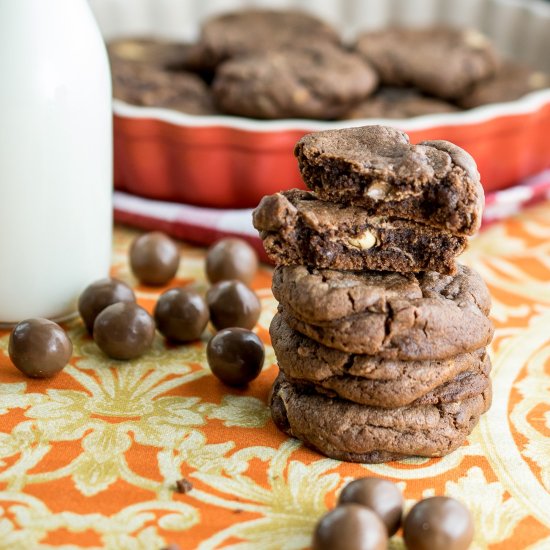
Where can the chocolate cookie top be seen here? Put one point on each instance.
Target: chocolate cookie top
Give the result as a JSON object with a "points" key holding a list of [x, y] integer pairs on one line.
{"points": [[510, 83], [376, 167], [436, 316], [372, 380], [318, 295], [391, 102], [153, 87], [441, 61], [357, 433], [248, 31], [298, 229], [309, 81]]}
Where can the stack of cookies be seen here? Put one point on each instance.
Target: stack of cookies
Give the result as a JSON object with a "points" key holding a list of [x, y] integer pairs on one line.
{"points": [[380, 335]]}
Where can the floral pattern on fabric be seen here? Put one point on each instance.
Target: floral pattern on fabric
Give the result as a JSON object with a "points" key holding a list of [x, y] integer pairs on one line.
{"points": [[90, 458]]}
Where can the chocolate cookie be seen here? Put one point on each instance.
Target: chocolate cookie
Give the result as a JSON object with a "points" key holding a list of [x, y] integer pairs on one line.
{"points": [[249, 31], [440, 61], [310, 81], [463, 386], [153, 87], [435, 182], [298, 229], [149, 51], [163, 54], [510, 83], [371, 380], [425, 316], [347, 431], [391, 102]]}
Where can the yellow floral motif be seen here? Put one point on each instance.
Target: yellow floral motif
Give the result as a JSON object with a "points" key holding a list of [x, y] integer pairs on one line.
{"points": [[535, 388], [528, 348], [245, 412], [159, 357], [539, 451], [290, 505], [503, 262], [133, 393], [157, 409], [14, 396], [193, 451], [68, 415], [543, 544], [495, 517], [102, 461], [425, 467], [128, 529]]}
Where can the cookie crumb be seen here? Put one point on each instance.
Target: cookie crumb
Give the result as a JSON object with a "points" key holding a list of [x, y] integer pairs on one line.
{"points": [[238, 511], [183, 486], [171, 547]]}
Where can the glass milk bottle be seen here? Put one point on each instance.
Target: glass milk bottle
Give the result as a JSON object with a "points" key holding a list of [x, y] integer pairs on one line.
{"points": [[55, 157]]}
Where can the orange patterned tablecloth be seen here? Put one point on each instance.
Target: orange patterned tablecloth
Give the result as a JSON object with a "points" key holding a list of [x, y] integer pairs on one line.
{"points": [[89, 460]]}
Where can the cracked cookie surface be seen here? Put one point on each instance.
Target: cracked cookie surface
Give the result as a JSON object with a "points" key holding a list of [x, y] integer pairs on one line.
{"points": [[299, 229], [347, 431], [371, 380], [423, 316], [376, 167]]}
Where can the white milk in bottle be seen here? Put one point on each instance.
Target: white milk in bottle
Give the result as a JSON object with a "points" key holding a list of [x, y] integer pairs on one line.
{"points": [[55, 157]]}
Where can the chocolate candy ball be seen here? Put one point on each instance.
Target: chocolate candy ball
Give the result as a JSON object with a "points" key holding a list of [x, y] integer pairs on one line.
{"points": [[438, 523], [235, 355], [39, 348], [233, 304], [383, 497], [231, 259], [124, 331], [97, 296], [181, 315], [350, 527], [154, 258]]}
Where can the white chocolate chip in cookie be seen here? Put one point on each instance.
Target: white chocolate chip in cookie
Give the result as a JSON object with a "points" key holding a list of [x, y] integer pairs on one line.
{"points": [[538, 80], [377, 190], [310, 218], [133, 51], [363, 242], [300, 96], [475, 39]]}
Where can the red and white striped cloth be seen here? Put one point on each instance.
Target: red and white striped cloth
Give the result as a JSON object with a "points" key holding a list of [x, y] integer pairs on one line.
{"points": [[206, 225]]}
